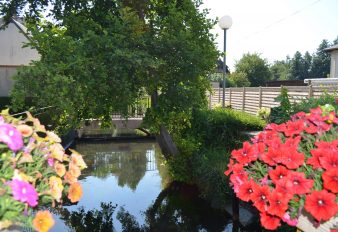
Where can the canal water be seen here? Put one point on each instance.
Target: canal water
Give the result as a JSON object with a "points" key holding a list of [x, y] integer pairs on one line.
{"points": [[126, 188]]}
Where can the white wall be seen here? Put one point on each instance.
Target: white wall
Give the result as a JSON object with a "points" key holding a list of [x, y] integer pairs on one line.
{"points": [[11, 51], [334, 64], [6, 81], [13, 55]]}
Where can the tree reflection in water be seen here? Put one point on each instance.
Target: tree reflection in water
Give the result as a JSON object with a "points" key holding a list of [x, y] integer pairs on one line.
{"points": [[95, 220], [128, 162], [177, 208]]}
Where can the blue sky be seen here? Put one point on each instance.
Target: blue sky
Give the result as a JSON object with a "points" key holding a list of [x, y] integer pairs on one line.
{"points": [[274, 28]]}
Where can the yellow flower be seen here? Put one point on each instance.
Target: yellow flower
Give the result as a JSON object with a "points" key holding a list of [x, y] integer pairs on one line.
{"points": [[25, 130], [18, 175], [77, 159], [56, 187], [75, 192], [74, 170], [57, 151], [53, 137], [69, 178], [60, 169], [43, 221]]}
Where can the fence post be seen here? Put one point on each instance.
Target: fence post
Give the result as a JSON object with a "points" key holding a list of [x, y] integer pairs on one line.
{"points": [[230, 92], [219, 95], [243, 98], [210, 99], [260, 97], [310, 90]]}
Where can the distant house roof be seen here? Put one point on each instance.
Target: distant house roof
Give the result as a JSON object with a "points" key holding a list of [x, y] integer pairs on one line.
{"points": [[334, 47], [18, 23]]}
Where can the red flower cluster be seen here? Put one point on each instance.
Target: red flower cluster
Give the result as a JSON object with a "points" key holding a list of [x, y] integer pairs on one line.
{"points": [[289, 167]]}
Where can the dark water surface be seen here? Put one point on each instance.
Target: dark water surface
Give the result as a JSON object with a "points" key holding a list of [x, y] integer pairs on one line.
{"points": [[125, 188]]}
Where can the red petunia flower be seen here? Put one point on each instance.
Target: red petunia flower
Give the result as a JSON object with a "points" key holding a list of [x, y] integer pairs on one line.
{"points": [[310, 128], [230, 167], [269, 222], [294, 128], [321, 205], [330, 178], [238, 177], [299, 184], [278, 173], [327, 145], [270, 156], [246, 190], [316, 154], [246, 154], [284, 186], [278, 203], [291, 158], [260, 197], [329, 160]]}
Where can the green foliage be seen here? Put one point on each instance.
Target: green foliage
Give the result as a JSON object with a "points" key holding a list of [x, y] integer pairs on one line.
{"points": [[255, 68], [300, 66], [102, 57], [208, 170], [203, 146], [312, 102], [238, 79], [281, 113], [221, 127], [320, 67], [286, 109], [280, 70]]}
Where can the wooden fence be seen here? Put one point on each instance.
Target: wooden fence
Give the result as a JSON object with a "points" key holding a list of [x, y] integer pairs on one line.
{"points": [[250, 99]]}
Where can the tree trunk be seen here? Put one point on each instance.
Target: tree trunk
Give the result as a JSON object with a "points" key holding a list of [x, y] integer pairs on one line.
{"points": [[164, 139]]}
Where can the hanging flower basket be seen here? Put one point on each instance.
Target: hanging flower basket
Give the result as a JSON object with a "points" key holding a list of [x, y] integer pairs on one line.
{"points": [[307, 224], [34, 171], [290, 171]]}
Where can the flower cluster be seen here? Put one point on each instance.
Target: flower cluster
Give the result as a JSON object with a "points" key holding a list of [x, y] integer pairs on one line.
{"points": [[34, 172], [290, 168]]}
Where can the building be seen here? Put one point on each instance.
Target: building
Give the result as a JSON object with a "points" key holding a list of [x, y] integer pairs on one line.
{"points": [[12, 53], [334, 61]]}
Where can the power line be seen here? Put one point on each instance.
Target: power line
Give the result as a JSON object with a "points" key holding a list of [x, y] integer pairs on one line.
{"points": [[282, 19]]}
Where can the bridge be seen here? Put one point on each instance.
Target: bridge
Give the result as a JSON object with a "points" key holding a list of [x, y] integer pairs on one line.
{"points": [[121, 128]]}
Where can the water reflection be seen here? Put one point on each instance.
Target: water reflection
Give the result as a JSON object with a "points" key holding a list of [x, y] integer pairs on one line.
{"points": [[128, 162], [123, 191], [95, 220]]}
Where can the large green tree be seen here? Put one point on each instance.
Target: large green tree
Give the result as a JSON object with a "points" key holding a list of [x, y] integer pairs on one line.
{"points": [[320, 67], [255, 68], [98, 57], [280, 70]]}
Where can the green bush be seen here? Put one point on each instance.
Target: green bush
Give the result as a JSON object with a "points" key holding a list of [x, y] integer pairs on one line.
{"points": [[283, 112], [206, 145], [222, 127]]}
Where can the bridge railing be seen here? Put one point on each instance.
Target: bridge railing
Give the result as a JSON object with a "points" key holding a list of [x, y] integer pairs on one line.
{"points": [[137, 110]]}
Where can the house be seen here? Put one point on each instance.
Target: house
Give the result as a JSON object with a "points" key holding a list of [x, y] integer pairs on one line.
{"points": [[12, 54], [334, 61], [333, 79]]}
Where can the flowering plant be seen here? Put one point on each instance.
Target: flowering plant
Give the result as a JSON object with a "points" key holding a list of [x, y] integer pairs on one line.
{"points": [[34, 171], [290, 168]]}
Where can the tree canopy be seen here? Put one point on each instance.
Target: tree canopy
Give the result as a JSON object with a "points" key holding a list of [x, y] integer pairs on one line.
{"points": [[98, 57], [256, 69]]}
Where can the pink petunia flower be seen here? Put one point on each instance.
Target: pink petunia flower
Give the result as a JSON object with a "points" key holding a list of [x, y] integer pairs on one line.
{"points": [[24, 192], [11, 136]]}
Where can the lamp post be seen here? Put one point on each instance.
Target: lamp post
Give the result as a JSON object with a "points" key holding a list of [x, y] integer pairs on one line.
{"points": [[224, 23]]}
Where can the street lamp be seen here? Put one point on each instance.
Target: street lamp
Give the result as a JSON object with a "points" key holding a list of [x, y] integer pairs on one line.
{"points": [[224, 23]]}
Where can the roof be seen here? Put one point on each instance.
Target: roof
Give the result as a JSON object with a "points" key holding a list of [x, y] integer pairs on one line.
{"points": [[334, 47], [18, 23]]}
